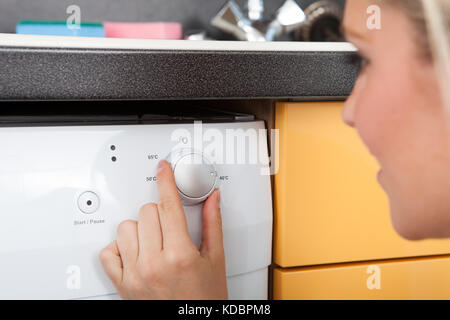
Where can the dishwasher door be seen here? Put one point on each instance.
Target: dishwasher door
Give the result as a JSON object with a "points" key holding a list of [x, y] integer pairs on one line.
{"points": [[65, 189]]}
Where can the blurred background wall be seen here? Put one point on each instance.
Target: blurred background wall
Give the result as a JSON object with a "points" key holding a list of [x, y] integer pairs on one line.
{"points": [[193, 14]]}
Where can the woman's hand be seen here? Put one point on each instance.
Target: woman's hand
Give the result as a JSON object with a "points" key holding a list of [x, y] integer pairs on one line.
{"points": [[154, 258]]}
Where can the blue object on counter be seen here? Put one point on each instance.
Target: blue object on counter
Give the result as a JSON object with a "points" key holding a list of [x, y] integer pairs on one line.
{"points": [[60, 28]]}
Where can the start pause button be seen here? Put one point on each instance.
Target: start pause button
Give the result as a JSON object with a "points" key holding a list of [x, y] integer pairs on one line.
{"points": [[88, 202]]}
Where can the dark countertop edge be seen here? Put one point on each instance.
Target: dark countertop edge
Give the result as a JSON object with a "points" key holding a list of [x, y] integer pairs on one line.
{"points": [[37, 73], [159, 51], [174, 99]]}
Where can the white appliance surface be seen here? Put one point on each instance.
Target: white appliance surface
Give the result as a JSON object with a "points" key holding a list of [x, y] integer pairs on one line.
{"points": [[49, 247], [43, 41]]}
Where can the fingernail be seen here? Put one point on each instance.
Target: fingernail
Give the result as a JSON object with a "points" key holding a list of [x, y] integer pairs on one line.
{"points": [[218, 196], [160, 166]]}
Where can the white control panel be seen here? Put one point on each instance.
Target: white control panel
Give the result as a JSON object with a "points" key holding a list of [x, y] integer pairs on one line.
{"points": [[65, 189]]}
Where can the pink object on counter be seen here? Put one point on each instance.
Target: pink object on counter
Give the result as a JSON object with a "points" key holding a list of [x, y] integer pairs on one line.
{"points": [[143, 30]]}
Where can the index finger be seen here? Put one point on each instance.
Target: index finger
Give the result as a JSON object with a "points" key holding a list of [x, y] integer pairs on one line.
{"points": [[171, 213]]}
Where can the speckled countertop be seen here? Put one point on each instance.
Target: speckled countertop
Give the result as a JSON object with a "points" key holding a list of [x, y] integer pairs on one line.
{"points": [[69, 68]]}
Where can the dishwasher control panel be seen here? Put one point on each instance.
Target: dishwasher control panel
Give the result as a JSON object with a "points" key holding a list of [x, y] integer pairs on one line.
{"points": [[65, 189]]}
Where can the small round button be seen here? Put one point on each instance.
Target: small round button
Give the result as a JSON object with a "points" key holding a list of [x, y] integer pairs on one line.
{"points": [[88, 202]]}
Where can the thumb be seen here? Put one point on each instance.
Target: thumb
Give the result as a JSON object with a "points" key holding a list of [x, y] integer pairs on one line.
{"points": [[212, 236], [112, 263]]}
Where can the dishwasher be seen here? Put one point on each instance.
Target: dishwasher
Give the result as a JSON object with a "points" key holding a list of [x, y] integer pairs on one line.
{"points": [[68, 180]]}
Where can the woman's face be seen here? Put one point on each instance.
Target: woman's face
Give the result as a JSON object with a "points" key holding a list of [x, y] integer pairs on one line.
{"points": [[396, 108]]}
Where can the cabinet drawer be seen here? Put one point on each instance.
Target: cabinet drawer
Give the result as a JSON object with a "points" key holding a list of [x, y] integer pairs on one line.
{"points": [[415, 278], [329, 207]]}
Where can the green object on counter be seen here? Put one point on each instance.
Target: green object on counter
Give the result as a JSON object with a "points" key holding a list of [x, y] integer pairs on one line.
{"points": [[60, 28]]}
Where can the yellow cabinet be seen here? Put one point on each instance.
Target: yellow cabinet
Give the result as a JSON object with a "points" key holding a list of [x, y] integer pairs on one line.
{"points": [[419, 278], [329, 207]]}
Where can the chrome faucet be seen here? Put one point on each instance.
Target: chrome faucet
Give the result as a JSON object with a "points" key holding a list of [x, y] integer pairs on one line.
{"points": [[255, 9], [232, 20]]}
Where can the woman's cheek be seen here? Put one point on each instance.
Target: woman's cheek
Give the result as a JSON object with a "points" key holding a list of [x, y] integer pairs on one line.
{"points": [[383, 107]]}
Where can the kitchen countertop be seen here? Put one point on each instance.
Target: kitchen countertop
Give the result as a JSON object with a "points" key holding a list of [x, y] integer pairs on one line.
{"points": [[76, 68]]}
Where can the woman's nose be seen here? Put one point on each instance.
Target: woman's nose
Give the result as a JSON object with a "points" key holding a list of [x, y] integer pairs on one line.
{"points": [[358, 92], [348, 113]]}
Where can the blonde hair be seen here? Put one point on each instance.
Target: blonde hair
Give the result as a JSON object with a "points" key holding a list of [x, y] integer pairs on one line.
{"points": [[431, 19], [437, 15]]}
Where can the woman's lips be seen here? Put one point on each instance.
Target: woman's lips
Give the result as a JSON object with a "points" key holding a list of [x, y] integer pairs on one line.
{"points": [[379, 175]]}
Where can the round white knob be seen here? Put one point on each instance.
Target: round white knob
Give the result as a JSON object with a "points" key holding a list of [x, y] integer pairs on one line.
{"points": [[195, 176]]}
